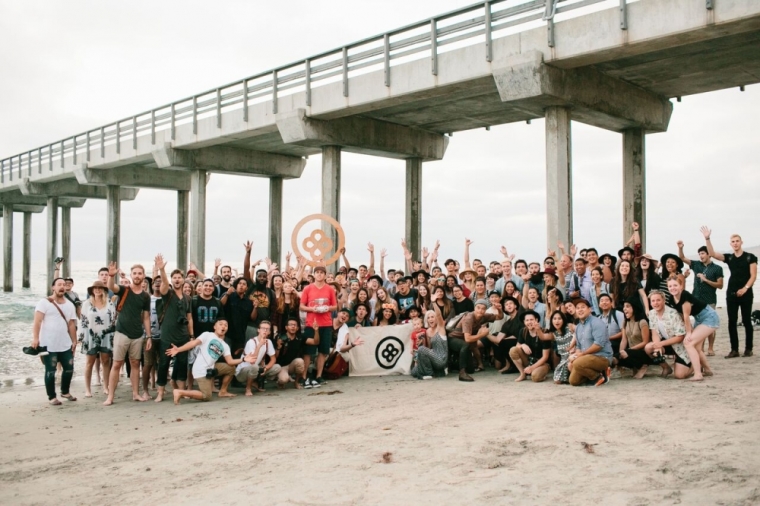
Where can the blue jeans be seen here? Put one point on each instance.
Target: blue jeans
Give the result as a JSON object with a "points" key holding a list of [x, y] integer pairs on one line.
{"points": [[51, 360]]}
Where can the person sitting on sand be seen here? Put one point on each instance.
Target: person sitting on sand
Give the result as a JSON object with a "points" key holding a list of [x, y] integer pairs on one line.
{"points": [[259, 346], [563, 335], [531, 355], [211, 348], [593, 356], [706, 321], [634, 341], [667, 336], [432, 355]]}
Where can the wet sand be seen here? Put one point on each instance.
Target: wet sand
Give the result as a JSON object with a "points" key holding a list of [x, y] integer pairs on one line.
{"points": [[397, 440]]}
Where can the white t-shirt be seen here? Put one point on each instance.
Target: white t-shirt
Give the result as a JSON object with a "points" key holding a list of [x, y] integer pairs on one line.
{"points": [[250, 347], [54, 332], [211, 349]]}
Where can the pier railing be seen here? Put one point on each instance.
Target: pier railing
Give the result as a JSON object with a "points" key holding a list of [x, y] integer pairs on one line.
{"points": [[477, 23]]}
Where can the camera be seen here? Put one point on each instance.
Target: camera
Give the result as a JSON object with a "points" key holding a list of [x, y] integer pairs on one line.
{"points": [[657, 358], [182, 320], [211, 373]]}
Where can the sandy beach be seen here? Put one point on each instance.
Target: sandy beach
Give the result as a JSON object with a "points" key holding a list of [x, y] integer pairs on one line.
{"points": [[398, 440]]}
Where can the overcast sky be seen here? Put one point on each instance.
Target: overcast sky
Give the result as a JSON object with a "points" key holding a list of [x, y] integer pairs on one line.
{"points": [[71, 66]]}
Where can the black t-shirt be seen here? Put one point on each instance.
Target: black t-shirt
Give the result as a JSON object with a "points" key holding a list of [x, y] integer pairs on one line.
{"points": [[264, 298], [739, 267], [512, 327], [205, 314], [290, 349], [464, 306], [238, 311], [173, 308], [405, 302], [696, 305], [130, 319], [536, 344]]}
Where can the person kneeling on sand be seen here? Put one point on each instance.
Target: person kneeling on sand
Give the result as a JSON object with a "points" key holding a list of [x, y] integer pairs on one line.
{"points": [[531, 355], [258, 347], [211, 348], [593, 356]]}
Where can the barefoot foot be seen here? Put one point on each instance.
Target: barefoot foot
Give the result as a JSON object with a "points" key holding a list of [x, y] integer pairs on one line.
{"points": [[521, 377], [248, 393], [177, 396], [226, 394]]}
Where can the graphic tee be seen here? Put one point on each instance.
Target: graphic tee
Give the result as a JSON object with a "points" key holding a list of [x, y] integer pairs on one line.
{"points": [[211, 349]]}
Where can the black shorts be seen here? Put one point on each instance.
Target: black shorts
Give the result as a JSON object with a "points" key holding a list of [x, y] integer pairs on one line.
{"points": [[325, 340], [670, 351]]}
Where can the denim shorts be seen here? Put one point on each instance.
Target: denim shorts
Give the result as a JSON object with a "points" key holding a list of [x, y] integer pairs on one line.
{"points": [[708, 317]]}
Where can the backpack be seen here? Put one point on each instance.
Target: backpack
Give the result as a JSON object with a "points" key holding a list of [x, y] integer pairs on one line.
{"points": [[335, 366]]}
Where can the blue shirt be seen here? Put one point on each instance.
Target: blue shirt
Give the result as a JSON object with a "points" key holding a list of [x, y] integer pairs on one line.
{"points": [[594, 331]]}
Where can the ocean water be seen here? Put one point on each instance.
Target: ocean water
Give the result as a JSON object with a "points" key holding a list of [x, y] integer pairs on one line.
{"points": [[17, 315]]}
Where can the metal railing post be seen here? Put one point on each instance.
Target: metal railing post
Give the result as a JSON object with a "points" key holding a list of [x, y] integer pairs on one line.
{"points": [[489, 49], [218, 108], [39, 160], [2, 171], [29, 168], [434, 47], [623, 15], [245, 100], [102, 142], [307, 73], [19, 166], [50, 158], [74, 148], [173, 116], [274, 91], [63, 147], [195, 115], [134, 132], [153, 126], [345, 71], [387, 58], [87, 145], [10, 169], [118, 138]]}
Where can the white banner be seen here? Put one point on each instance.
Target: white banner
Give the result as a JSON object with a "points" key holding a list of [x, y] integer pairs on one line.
{"points": [[386, 351]]}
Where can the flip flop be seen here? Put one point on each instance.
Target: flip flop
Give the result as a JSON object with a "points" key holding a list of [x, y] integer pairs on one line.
{"points": [[710, 353], [69, 397]]}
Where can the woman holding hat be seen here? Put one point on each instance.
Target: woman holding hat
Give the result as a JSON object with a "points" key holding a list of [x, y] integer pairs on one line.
{"points": [[96, 330]]}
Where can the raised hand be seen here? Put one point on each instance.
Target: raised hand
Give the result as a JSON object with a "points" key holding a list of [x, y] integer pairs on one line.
{"points": [[416, 266], [705, 231], [635, 226], [437, 245], [403, 244], [679, 244], [573, 250], [217, 262], [407, 254], [160, 262], [561, 245], [342, 250], [425, 253], [467, 242], [113, 269], [370, 247], [267, 261], [288, 255], [248, 246], [551, 253], [503, 251]]}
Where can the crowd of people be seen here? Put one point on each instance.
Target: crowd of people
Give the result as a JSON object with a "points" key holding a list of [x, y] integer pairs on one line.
{"points": [[577, 315]]}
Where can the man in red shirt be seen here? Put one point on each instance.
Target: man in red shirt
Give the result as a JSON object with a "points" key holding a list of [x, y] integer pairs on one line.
{"points": [[318, 301]]}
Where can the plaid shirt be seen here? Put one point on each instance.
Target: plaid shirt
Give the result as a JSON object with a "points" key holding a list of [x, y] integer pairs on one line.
{"points": [[702, 290]]}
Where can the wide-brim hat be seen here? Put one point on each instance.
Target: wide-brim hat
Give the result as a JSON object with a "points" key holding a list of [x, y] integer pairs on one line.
{"points": [[529, 312], [551, 272], [675, 257], [648, 257], [461, 274], [509, 297], [624, 249], [417, 273], [607, 255], [96, 284]]}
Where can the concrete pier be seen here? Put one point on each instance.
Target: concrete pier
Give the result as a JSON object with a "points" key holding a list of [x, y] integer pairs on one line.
{"points": [[66, 241], [27, 261], [413, 223], [634, 183], [113, 223], [559, 173], [7, 248], [183, 224], [198, 220], [52, 239], [331, 190], [275, 219]]}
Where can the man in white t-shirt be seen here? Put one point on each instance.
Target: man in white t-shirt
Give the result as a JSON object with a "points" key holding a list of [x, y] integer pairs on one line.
{"points": [[259, 346], [55, 328], [211, 347]]}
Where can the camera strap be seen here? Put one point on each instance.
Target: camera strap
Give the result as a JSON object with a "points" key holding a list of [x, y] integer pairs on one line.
{"points": [[122, 300], [52, 301]]}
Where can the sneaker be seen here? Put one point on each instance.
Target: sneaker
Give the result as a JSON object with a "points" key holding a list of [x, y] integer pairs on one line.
{"points": [[733, 354], [604, 378], [319, 381], [427, 377], [304, 383], [747, 353], [40, 351], [314, 383]]}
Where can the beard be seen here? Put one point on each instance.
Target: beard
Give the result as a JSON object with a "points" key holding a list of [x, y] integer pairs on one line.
{"points": [[227, 278]]}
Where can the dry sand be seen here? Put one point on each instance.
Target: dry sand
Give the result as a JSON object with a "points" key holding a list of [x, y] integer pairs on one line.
{"points": [[397, 440]]}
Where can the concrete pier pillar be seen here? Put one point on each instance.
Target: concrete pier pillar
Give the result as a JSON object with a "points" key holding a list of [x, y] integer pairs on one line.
{"points": [[275, 219], [413, 224], [198, 221], [559, 173], [66, 241], [52, 238], [7, 248], [634, 184], [113, 223], [27, 261], [183, 224], [331, 191]]}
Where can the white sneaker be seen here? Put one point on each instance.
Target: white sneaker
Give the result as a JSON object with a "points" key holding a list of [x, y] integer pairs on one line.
{"points": [[314, 384], [427, 377]]}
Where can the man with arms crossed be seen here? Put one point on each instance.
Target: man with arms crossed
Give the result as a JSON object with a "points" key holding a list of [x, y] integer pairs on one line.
{"points": [[134, 316]]}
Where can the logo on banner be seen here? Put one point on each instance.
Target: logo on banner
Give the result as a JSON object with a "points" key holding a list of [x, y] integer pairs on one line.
{"points": [[388, 352]]}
